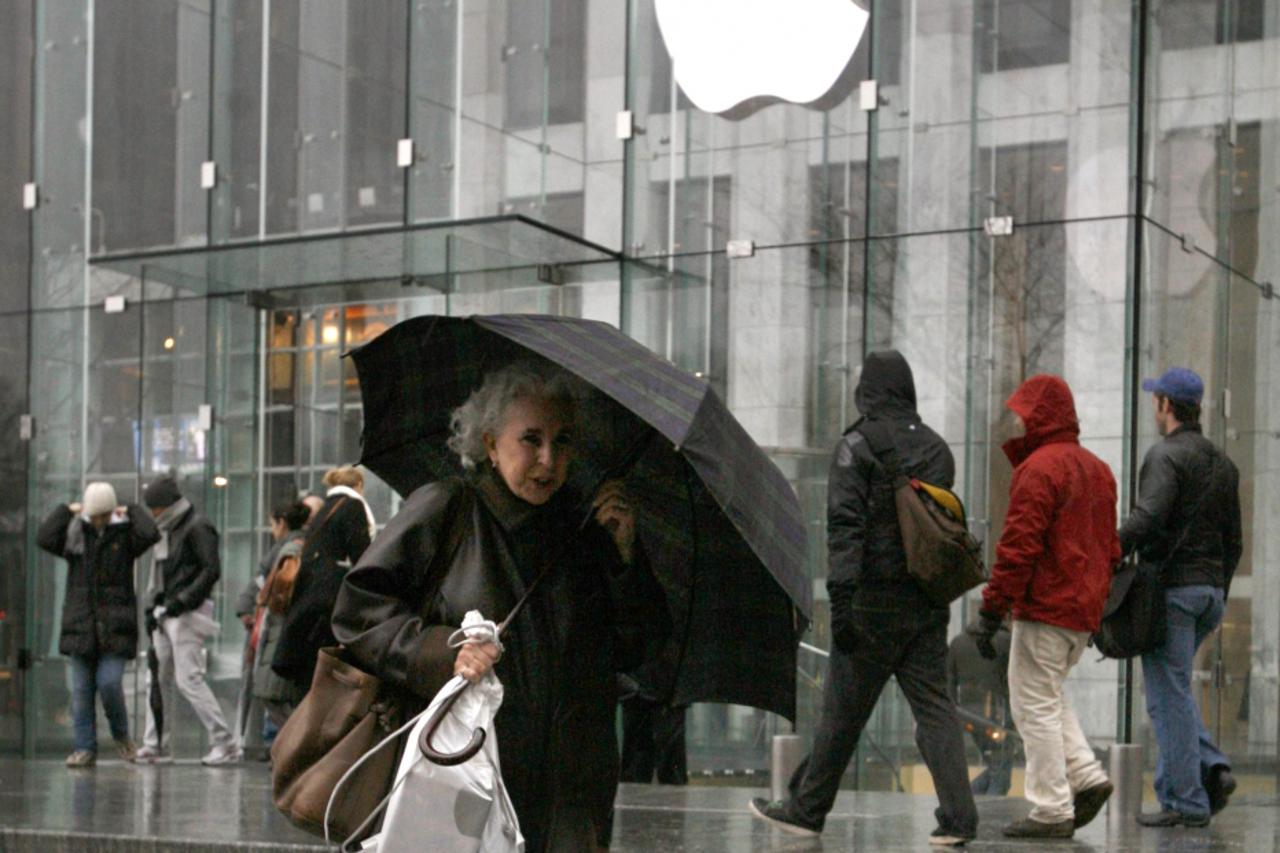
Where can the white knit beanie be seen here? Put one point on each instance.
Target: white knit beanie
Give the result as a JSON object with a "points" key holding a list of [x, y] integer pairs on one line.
{"points": [[98, 498]]}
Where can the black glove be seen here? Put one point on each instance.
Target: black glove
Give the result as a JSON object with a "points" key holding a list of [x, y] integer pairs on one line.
{"points": [[843, 634], [984, 632]]}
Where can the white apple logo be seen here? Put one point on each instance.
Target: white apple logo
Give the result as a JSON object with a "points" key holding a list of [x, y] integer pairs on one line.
{"points": [[728, 52]]}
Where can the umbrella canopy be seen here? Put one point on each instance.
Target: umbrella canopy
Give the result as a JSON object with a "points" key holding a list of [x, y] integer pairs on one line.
{"points": [[720, 525]]}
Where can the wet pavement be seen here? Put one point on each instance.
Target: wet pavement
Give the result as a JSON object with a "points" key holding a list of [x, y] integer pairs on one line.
{"points": [[189, 808]]}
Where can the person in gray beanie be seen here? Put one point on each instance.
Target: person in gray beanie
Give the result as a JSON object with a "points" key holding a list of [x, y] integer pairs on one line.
{"points": [[183, 575], [100, 541]]}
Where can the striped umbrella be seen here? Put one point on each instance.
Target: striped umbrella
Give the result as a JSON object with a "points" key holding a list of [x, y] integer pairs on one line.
{"points": [[720, 524]]}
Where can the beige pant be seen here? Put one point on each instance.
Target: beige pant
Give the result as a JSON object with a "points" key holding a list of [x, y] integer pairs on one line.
{"points": [[1060, 761], [179, 645]]}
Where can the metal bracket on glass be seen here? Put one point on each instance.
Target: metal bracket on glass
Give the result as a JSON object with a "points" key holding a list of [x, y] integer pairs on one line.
{"points": [[208, 175], [740, 249], [550, 273], [404, 153], [625, 124], [114, 304], [1268, 290], [30, 196], [869, 96], [204, 417], [1188, 244], [998, 226], [26, 427]]}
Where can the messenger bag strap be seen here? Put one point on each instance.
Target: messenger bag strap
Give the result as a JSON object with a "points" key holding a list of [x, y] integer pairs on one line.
{"points": [[879, 436]]}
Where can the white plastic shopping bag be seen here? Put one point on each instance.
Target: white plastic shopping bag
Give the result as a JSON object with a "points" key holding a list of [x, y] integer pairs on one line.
{"points": [[459, 809]]}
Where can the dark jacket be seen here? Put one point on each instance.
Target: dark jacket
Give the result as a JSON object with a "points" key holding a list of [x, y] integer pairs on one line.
{"points": [[193, 566], [267, 683], [1179, 473], [100, 614], [589, 621], [864, 541], [1059, 546], [335, 539]]}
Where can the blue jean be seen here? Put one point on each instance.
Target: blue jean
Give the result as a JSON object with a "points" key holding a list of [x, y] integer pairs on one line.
{"points": [[104, 676], [1187, 752]]}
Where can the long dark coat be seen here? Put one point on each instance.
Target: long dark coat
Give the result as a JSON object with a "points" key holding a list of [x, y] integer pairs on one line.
{"points": [[335, 539], [593, 619], [100, 614]]}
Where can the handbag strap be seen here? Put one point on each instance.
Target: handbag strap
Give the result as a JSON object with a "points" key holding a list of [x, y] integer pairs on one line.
{"points": [[306, 543]]}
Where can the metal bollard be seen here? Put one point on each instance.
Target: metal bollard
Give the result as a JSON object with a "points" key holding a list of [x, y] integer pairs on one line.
{"points": [[785, 757], [1124, 765]]}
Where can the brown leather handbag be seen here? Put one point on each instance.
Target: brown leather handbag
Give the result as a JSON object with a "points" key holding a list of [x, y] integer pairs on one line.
{"points": [[341, 718], [346, 713]]}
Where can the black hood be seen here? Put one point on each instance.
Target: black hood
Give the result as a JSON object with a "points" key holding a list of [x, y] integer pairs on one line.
{"points": [[886, 387]]}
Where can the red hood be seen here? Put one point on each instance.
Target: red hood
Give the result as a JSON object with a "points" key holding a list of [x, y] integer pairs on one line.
{"points": [[1047, 408]]}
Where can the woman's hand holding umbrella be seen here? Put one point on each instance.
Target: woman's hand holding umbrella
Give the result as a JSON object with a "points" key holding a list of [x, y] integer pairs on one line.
{"points": [[475, 660], [614, 512]]}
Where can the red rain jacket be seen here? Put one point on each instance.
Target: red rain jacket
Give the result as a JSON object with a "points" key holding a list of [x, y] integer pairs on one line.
{"points": [[1059, 547]]}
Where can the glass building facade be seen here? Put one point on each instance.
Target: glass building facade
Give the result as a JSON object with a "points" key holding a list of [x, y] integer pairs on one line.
{"points": [[238, 172]]}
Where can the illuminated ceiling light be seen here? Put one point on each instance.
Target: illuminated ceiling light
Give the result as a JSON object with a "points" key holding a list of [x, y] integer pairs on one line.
{"points": [[220, 481], [170, 343], [329, 334]]}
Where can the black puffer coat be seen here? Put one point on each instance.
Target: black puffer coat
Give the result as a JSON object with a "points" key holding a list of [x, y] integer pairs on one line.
{"points": [[1179, 473], [335, 539], [590, 621], [100, 614], [193, 566], [864, 541]]}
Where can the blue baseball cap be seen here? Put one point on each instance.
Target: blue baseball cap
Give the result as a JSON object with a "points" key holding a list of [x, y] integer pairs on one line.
{"points": [[1177, 383]]}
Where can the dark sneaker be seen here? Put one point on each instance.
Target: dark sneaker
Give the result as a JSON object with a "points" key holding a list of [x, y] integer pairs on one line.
{"points": [[1169, 818], [1220, 786], [82, 758], [1090, 801], [1028, 828], [127, 749], [775, 812], [941, 838]]}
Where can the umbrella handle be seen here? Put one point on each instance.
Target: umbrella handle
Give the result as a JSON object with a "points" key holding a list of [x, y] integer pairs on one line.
{"points": [[445, 759]]}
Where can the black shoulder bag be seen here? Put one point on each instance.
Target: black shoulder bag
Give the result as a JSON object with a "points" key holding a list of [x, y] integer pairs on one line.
{"points": [[1134, 619]]}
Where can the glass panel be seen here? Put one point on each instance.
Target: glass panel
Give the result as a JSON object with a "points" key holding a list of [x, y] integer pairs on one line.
{"points": [[151, 121], [237, 119]]}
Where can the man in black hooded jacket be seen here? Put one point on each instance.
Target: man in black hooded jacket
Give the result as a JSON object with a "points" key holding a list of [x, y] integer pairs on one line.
{"points": [[882, 623]]}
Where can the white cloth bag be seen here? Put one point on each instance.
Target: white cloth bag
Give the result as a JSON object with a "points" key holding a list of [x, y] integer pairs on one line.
{"points": [[459, 809]]}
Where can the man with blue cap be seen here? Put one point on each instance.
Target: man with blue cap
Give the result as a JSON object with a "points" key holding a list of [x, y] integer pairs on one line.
{"points": [[1187, 522]]}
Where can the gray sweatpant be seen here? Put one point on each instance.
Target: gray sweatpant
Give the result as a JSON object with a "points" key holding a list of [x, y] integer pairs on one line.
{"points": [[179, 644]]}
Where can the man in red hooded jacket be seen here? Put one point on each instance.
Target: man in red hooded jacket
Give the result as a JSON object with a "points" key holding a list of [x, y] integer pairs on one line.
{"points": [[1053, 571]]}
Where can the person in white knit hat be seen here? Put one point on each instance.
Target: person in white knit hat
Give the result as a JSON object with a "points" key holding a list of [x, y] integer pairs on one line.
{"points": [[100, 541]]}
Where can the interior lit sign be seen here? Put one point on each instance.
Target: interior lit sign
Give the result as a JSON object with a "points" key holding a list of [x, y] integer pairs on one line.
{"points": [[726, 53]]}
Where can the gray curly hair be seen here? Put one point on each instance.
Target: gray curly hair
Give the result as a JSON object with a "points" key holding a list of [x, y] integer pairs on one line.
{"points": [[485, 409]]}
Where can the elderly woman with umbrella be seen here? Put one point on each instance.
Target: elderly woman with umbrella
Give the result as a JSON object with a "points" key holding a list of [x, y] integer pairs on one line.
{"points": [[491, 533], [542, 411]]}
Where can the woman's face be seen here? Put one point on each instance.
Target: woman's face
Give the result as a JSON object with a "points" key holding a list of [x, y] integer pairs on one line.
{"points": [[278, 529], [533, 450]]}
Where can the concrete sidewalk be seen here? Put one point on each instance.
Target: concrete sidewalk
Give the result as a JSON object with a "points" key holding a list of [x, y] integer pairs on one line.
{"points": [[185, 807]]}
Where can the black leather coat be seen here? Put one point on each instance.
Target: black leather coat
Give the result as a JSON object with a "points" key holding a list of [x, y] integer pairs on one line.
{"points": [[193, 566], [590, 620], [864, 542], [335, 539], [100, 613], [1183, 470]]}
